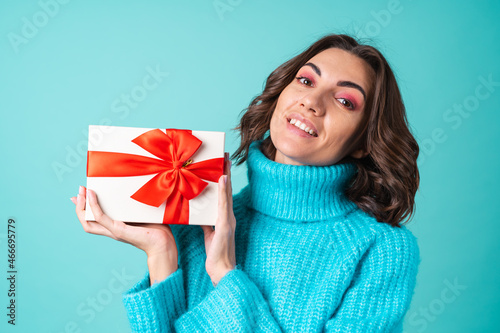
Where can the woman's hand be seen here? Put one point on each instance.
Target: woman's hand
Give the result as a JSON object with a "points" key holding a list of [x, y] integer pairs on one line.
{"points": [[156, 240], [219, 243]]}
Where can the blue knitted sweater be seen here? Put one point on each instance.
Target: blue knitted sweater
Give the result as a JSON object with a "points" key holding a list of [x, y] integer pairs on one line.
{"points": [[308, 260]]}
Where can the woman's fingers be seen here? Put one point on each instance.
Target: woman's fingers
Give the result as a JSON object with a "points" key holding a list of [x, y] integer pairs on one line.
{"points": [[208, 233], [89, 226], [95, 228], [229, 186], [118, 229], [80, 203], [207, 230], [219, 243], [223, 204], [155, 240], [80, 206]]}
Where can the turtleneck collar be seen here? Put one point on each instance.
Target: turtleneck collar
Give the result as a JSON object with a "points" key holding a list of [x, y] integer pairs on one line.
{"points": [[297, 193]]}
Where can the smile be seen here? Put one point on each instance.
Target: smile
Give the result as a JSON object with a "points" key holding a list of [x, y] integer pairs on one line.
{"points": [[302, 126]]}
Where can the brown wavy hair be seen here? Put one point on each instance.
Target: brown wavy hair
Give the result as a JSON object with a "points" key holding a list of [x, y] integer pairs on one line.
{"points": [[387, 178]]}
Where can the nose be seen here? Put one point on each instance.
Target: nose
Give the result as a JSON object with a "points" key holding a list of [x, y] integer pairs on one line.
{"points": [[312, 102]]}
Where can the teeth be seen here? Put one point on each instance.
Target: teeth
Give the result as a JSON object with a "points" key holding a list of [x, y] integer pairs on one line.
{"points": [[302, 126]]}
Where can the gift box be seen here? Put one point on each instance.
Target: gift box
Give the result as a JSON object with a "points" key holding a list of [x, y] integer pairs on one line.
{"points": [[155, 175]]}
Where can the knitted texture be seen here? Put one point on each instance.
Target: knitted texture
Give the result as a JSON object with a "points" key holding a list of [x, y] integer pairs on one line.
{"points": [[308, 260]]}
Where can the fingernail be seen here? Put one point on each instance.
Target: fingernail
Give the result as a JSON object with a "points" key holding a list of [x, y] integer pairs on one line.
{"points": [[225, 179], [81, 190], [230, 164]]}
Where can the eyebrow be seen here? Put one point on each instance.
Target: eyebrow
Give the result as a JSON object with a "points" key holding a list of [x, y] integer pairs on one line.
{"points": [[340, 83]]}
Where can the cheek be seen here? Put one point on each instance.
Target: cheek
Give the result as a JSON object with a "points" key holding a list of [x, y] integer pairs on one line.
{"points": [[275, 125], [339, 129], [273, 122], [286, 98], [279, 110]]}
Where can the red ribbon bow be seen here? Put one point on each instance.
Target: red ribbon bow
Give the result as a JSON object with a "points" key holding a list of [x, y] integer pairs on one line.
{"points": [[177, 179]]}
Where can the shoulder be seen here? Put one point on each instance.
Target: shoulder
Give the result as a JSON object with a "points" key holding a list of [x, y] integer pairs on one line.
{"points": [[394, 245], [381, 231]]}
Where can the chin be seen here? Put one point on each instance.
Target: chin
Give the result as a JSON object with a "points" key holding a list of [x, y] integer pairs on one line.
{"points": [[288, 155]]}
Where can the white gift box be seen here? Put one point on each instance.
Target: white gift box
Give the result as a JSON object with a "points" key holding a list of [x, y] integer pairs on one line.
{"points": [[114, 193]]}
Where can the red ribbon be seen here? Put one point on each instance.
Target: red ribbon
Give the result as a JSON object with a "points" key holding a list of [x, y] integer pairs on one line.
{"points": [[177, 179]]}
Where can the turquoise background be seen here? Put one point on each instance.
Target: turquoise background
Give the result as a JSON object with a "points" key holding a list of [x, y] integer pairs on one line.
{"points": [[71, 69]]}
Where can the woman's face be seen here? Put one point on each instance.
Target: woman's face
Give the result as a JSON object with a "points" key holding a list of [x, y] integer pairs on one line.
{"points": [[318, 116]]}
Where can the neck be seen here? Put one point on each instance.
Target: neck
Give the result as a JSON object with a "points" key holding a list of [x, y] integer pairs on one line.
{"points": [[299, 193]]}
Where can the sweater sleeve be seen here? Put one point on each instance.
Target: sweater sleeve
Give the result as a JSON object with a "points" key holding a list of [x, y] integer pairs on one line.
{"points": [[235, 305], [155, 308], [382, 287]]}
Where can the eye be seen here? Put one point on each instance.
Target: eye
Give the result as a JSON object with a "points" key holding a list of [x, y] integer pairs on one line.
{"points": [[347, 103], [304, 80]]}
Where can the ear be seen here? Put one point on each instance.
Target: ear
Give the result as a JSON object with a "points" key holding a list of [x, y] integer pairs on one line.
{"points": [[360, 153]]}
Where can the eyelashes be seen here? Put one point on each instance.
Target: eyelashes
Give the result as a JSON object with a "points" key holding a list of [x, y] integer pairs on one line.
{"points": [[347, 103], [302, 80], [343, 101]]}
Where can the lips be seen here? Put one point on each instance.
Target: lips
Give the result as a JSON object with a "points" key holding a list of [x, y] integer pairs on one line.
{"points": [[303, 124]]}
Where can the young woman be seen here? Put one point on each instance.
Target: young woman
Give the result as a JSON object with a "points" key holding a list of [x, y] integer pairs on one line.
{"points": [[315, 242]]}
